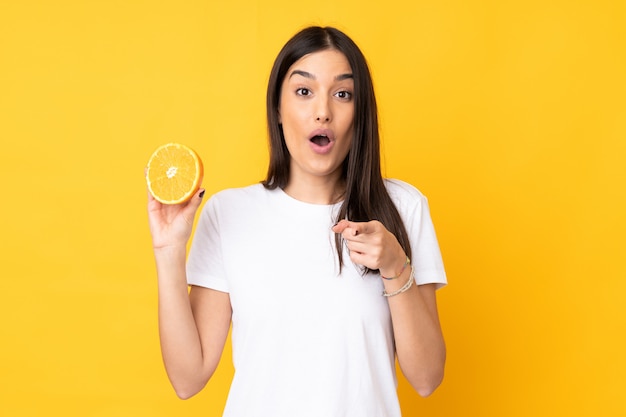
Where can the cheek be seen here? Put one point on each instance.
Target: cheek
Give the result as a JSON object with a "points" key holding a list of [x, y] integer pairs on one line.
{"points": [[348, 127], [290, 115], [347, 119], [289, 128]]}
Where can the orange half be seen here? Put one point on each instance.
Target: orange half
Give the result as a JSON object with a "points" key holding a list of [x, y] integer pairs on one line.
{"points": [[174, 173]]}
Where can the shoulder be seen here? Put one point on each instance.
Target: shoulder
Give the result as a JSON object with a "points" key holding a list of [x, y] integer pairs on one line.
{"points": [[404, 194], [239, 195], [232, 201]]}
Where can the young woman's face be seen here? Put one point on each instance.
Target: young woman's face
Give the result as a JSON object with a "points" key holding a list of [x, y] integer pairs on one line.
{"points": [[317, 113]]}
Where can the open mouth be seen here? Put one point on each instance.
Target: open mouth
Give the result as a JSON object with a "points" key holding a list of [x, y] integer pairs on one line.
{"points": [[320, 140]]}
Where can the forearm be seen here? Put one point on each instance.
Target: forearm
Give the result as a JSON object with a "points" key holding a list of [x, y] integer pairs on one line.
{"points": [[180, 340], [419, 341]]}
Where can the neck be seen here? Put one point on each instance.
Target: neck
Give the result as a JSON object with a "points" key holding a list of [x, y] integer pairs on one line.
{"points": [[322, 190]]}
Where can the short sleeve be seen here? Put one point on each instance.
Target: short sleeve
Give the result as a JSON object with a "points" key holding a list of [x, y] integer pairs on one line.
{"points": [[426, 255], [205, 263]]}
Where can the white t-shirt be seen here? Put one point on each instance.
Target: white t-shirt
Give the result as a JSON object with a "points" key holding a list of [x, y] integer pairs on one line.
{"points": [[306, 341]]}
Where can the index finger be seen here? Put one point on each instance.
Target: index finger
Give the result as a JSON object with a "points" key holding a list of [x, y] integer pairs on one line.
{"points": [[353, 228]]}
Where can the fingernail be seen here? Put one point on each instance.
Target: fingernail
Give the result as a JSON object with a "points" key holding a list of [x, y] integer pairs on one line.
{"points": [[201, 194]]}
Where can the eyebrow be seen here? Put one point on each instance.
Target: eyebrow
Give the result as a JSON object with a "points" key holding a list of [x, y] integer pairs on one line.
{"points": [[306, 74]]}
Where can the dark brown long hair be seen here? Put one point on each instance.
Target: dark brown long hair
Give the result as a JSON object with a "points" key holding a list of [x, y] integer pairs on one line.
{"points": [[366, 197]]}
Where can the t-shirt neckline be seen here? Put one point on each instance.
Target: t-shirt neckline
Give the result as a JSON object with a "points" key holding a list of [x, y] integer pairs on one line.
{"points": [[294, 201]]}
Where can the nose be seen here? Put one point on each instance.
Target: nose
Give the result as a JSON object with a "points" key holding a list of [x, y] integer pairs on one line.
{"points": [[323, 112]]}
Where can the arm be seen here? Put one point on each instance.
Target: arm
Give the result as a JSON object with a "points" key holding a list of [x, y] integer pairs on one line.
{"points": [[193, 326], [419, 341]]}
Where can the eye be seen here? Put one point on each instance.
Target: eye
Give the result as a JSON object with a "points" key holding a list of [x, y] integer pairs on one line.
{"points": [[345, 95], [303, 91]]}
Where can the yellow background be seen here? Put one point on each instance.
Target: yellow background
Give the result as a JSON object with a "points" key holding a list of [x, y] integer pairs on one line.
{"points": [[509, 115]]}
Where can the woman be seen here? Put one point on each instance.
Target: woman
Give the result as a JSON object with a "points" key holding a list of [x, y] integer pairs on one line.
{"points": [[326, 271]]}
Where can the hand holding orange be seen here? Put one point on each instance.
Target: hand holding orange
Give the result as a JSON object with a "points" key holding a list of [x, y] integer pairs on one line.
{"points": [[174, 173]]}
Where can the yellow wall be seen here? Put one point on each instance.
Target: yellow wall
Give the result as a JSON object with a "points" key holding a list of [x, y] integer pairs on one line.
{"points": [[509, 115]]}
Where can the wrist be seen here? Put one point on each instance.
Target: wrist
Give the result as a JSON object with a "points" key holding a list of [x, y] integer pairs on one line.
{"points": [[171, 265], [396, 270], [393, 288], [171, 248], [170, 253]]}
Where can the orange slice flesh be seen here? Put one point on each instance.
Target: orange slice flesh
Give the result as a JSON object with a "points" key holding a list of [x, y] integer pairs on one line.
{"points": [[174, 173]]}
